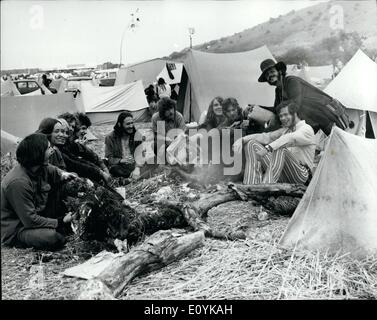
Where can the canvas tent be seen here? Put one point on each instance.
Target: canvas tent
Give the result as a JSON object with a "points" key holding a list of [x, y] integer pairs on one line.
{"points": [[21, 115], [8, 142], [222, 74], [355, 87], [103, 104], [146, 71], [338, 211], [8, 88]]}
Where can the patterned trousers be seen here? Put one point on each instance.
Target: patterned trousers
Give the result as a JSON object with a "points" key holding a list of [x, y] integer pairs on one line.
{"points": [[278, 166]]}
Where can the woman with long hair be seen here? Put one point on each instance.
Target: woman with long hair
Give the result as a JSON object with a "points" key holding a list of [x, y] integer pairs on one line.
{"points": [[233, 115], [214, 115], [163, 89], [28, 205], [69, 155], [56, 133]]}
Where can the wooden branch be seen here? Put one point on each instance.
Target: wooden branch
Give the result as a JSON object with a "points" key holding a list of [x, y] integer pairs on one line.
{"points": [[274, 189], [194, 220], [157, 251], [209, 201]]}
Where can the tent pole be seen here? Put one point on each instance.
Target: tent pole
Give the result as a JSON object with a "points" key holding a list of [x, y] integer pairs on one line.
{"points": [[190, 104]]}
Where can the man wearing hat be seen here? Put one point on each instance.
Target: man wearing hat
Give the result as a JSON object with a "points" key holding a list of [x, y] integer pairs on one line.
{"points": [[317, 108]]}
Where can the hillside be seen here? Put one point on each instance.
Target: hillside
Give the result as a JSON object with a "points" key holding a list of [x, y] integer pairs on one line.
{"points": [[308, 31]]}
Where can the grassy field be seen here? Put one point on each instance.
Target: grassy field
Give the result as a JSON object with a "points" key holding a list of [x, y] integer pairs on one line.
{"points": [[255, 268]]}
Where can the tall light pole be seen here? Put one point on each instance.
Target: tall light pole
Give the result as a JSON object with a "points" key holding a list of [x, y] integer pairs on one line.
{"points": [[121, 46], [131, 26], [191, 31]]}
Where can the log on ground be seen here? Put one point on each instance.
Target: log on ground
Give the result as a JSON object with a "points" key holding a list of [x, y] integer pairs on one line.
{"points": [[157, 251]]}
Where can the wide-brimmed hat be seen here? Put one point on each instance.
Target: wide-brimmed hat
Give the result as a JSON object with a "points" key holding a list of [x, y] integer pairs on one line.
{"points": [[268, 64]]}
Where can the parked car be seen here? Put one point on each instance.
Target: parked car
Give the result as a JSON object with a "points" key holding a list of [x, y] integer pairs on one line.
{"points": [[26, 86]]}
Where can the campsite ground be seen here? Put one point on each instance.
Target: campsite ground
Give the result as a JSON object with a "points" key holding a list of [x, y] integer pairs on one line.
{"points": [[254, 268]]}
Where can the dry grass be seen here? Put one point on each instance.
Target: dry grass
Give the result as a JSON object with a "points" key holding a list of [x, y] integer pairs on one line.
{"points": [[255, 268]]}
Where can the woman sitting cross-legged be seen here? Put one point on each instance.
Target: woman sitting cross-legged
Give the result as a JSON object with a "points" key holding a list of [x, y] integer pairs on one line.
{"points": [[120, 146], [28, 208]]}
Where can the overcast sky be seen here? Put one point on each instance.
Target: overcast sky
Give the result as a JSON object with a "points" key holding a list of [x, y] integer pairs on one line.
{"points": [[48, 34]]}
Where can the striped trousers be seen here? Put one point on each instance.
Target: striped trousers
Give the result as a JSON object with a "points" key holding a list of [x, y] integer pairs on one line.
{"points": [[278, 166]]}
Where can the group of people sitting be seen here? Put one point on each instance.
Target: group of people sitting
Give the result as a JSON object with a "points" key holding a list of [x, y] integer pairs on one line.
{"points": [[33, 215]]}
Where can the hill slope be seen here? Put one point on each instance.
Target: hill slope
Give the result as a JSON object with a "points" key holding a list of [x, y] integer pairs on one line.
{"points": [[311, 28]]}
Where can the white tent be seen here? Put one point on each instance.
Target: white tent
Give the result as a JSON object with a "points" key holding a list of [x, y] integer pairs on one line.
{"points": [[207, 75], [103, 104], [355, 87], [8, 142], [21, 115], [8, 88], [338, 211], [146, 71]]}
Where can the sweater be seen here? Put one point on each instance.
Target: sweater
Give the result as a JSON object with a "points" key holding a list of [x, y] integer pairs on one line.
{"points": [[24, 196]]}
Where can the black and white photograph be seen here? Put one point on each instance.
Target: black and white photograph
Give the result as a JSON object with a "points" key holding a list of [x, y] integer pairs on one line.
{"points": [[192, 154]]}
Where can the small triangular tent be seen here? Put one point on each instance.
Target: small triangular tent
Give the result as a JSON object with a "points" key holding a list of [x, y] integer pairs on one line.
{"points": [[146, 71], [8, 142], [103, 104], [21, 115], [338, 212], [222, 74], [355, 87]]}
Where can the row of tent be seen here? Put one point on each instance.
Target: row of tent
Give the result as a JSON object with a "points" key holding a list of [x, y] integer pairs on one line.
{"points": [[201, 77], [339, 208]]}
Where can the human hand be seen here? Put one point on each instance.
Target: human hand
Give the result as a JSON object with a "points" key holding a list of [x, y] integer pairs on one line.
{"points": [[69, 217], [261, 153], [244, 124], [69, 175], [237, 146], [106, 176], [82, 140], [135, 174], [128, 160]]}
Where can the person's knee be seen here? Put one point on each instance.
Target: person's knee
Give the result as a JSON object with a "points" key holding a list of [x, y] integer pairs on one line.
{"points": [[53, 239], [253, 146], [41, 239]]}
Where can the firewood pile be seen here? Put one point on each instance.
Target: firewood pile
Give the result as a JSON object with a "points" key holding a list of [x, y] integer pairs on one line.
{"points": [[162, 202]]}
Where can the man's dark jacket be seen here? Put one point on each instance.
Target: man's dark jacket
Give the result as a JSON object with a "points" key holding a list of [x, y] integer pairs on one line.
{"points": [[316, 107], [113, 147]]}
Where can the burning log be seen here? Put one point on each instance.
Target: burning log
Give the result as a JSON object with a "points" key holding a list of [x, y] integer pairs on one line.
{"points": [[157, 251]]}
